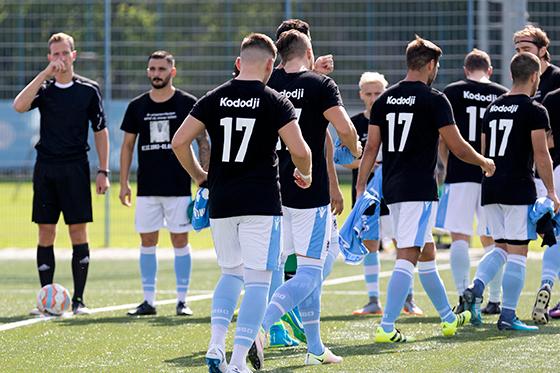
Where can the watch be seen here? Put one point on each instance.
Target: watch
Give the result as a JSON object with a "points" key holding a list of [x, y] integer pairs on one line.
{"points": [[104, 172]]}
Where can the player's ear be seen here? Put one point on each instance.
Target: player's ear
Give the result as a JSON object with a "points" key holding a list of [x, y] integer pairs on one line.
{"points": [[173, 71], [74, 55], [542, 52], [490, 71], [238, 63]]}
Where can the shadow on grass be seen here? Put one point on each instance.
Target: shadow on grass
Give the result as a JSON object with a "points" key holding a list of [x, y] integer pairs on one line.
{"points": [[9, 319], [156, 321]]}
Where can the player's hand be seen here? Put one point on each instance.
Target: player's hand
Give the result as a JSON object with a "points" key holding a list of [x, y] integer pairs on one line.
{"points": [[324, 64], [359, 190], [54, 67], [337, 200], [488, 167], [302, 181], [125, 195], [101, 183], [554, 198], [359, 149]]}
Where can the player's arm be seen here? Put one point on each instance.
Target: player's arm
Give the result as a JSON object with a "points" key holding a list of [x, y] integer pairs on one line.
{"points": [[127, 153], [464, 151], [203, 150], [368, 158], [182, 147], [299, 151], [101, 139], [353, 165], [339, 118], [543, 163], [443, 152], [337, 200], [324, 64], [24, 99]]}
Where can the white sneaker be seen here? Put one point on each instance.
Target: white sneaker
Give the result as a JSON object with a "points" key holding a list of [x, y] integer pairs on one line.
{"points": [[35, 312], [216, 359], [234, 369], [256, 352], [326, 358]]}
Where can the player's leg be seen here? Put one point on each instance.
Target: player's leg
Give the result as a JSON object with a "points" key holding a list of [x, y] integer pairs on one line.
{"points": [[45, 253], [260, 238], [178, 224], [490, 264], [74, 193], [333, 249], [148, 221], [371, 277], [227, 290], [552, 256], [519, 232], [550, 268]]}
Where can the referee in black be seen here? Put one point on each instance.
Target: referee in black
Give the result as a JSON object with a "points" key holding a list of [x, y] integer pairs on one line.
{"points": [[61, 178]]}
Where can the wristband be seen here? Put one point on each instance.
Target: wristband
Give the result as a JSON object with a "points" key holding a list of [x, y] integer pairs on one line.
{"points": [[304, 177], [104, 172]]}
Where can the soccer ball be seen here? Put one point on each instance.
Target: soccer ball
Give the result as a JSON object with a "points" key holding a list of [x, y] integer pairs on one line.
{"points": [[53, 299]]}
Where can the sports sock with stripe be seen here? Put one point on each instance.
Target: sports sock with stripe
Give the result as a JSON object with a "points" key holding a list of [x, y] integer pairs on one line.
{"points": [[488, 268], [182, 271], [514, 280], [429, 277], [329, 264], [371, 274], [251, 313], [45, 264], [226, 295], [397, 291], [495, 285], [148, 272], [80, 266], [550, 265], [460, 264], [310, 316]]}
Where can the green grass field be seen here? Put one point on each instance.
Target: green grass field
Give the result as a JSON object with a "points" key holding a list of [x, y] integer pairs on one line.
{"points": [[111, 341]]}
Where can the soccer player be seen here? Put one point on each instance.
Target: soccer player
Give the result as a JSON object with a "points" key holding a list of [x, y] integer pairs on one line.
{"points": [[372, 85], [243, 118], [164, 189], [408, 119], [460, 201], [307, 216], [67, 102], [514, 128]]}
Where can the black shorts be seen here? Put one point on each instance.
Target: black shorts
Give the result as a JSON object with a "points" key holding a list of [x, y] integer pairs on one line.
{"points": [[62, 187]]}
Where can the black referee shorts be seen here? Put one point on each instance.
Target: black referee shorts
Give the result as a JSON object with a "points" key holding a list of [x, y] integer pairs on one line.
{"points": [[62, 187]]}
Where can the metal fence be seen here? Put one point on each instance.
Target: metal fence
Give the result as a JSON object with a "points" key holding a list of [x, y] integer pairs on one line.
{"points": [[114, 38]]}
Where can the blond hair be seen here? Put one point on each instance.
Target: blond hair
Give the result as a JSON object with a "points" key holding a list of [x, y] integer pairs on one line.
{"points": [[61, 36], [373, 77]]}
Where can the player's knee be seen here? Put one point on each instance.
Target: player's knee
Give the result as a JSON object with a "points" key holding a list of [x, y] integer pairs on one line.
{"points": [[253, 275], [47, 234], [179, 240], [78, 233], [149, 239]]}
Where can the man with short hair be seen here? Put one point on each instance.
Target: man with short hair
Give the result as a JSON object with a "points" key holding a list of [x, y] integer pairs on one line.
{"points": [[243, 118], [164, 189], [67, 102], [514, 136], [408, 119], [460, 200], [306, 213]]}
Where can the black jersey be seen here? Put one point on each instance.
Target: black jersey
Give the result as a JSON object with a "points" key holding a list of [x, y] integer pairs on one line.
{"points": [[507, 127], [155, 123], [410, 115], [311, 94], [65, 113], [469, 100], [361, 123], [552, 104], [242, 119], [550, 80]]}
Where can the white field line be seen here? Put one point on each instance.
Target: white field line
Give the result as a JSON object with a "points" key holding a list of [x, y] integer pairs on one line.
{"points": [[334, 281]]}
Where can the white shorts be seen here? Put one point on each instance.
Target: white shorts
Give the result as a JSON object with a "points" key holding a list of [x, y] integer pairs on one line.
{"points": [[254, 241], [385, 227], [510, 222], [154, 213], [413, 222], [334, 247], [541, 190], [307, 231], [457, 207]]}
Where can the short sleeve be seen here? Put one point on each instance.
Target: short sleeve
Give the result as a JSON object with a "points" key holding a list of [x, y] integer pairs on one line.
{"points": [[201, 111], [376, 116], [551, 105], [443, 113], [285, 111], [38, 100], [330, 95], [539, 119], [129, 123], [96, 114]]}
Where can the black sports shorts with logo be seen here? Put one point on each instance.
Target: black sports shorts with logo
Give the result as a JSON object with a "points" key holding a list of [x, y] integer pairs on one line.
{"points": [[62, 187]]}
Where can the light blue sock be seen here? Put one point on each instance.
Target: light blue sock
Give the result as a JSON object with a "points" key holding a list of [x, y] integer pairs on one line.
{"points": [[148, 272], [411, 289], [226, 295], [550, 264], [251, 313], [310, 317], [371, 274], [460, 265], [329, 263], [429, 277], [495, 285], [292, 292], [488, 268], [514, 280], [276, 281], [182, 272], [397, 290]]}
